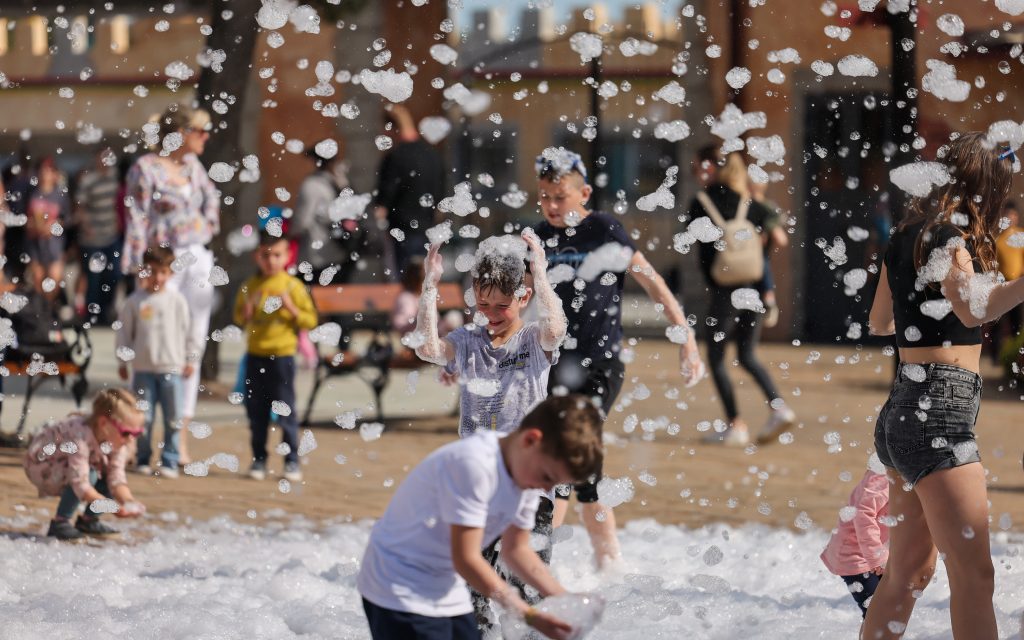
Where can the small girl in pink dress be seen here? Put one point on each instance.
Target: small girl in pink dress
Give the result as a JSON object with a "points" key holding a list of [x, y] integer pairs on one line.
{"points": [[82, 458], [858, 549]]}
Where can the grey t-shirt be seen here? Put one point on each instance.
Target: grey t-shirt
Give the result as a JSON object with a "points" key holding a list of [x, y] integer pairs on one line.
{"points": [[500, 384]]}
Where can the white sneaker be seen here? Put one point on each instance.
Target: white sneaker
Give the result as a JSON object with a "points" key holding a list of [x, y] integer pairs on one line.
{"points": [[144, 470], [779, 422], [258, 471], [292, 472], [168, 473], [731, 437]]}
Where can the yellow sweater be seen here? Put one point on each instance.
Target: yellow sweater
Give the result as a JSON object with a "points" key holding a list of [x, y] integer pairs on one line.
{"points": [[273, 330], [1011, 259]]}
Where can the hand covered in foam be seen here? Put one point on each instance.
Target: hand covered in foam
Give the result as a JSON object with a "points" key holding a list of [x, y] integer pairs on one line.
{"points": [[433, 267], [538, 259], [131, 510], [691, 367]]}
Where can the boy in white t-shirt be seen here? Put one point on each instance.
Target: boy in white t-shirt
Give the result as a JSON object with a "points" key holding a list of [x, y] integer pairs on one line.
{"points": [[461, 498]]}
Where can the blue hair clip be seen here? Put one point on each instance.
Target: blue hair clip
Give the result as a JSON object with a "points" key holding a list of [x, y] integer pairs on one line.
{"points": [[1008, 153]]}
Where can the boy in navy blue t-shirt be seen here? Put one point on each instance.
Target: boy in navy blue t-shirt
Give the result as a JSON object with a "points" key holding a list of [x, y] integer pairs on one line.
{"points": [[589, 254]]}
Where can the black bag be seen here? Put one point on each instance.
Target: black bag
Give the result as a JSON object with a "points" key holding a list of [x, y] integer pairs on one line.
{"points": [[38, 329]]}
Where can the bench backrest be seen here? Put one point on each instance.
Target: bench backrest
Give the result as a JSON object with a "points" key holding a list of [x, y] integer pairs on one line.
{"points": [[348, 299]]}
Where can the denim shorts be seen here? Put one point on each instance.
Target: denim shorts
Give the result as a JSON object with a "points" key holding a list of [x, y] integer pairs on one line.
{"points": [[927, 424]]}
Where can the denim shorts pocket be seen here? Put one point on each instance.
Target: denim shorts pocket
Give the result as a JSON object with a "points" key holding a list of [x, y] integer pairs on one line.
{"points": [[905, 429], [962, 396]]}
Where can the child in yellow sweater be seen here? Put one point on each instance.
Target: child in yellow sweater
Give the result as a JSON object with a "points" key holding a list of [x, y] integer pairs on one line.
{"points": [[272, 307]]}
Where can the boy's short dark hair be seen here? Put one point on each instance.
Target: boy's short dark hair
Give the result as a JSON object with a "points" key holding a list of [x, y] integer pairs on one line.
{"points": [[268, 239], [158, 255], [552, 174], [571, 426]]}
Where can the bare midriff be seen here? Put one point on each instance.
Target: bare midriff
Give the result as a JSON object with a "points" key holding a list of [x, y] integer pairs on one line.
{"points": [[965, 356]]}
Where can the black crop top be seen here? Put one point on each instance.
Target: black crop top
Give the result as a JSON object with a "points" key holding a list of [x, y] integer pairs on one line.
{"points": [[915, 307]]}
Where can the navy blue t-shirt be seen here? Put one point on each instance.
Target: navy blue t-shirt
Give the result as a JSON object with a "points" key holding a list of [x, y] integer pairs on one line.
{"points": [[601, 246]]}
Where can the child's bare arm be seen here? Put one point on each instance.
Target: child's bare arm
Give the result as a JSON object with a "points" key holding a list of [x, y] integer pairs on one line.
{"points": [[470, 564], [122, 494], [881, 321], [974, 300], [433, 349], [690, 365], [520, 557], [553, 322]]}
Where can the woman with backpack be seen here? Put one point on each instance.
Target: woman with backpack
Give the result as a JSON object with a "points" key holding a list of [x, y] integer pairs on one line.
{"points": [[732, 260]]}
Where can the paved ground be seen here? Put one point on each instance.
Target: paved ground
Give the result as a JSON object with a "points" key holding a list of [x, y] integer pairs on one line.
{"points": [[836, 391]]}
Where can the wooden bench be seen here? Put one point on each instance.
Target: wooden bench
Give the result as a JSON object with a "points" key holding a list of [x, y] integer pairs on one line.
{"points": [[72, 359], [368, 307]]}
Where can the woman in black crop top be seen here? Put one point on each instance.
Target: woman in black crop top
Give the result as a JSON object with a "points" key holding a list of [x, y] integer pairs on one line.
{"points": [[937, 287]]}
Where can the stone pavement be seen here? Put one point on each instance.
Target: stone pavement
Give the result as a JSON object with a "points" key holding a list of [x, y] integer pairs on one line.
{"points": [[654, 440]]}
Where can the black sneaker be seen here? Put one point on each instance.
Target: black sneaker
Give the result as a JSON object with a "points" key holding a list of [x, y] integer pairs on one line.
{"points": [[94, 527], [63, 530]]}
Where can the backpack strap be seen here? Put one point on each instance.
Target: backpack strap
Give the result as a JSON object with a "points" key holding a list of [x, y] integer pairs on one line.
{"points": [[710, 208]]}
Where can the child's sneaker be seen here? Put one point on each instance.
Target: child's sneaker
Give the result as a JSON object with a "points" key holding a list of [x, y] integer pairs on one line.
{"points": [[144, 470], [258, 470], [731, 437], [94, 527], [168, 473], [292, 472], [63, 530], [780, 421]]}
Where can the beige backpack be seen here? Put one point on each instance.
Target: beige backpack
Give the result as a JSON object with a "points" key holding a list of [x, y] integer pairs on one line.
{"points": [[742, 260]]}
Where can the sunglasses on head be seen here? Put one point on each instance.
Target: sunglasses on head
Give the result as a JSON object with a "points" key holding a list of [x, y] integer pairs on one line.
{"points": [[125, 430]]}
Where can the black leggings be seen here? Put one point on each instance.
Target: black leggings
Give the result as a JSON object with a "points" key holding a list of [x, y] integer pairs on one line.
{"points": [[602, 380], [745, 327]]}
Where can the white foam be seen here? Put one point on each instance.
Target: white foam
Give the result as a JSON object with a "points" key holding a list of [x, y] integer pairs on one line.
{"points": [[396, 87], [858, 66], [941, 82]]}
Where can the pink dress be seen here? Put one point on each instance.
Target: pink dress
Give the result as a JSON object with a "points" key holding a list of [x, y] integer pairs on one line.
{"points": [[62, 454], [860, 544]]}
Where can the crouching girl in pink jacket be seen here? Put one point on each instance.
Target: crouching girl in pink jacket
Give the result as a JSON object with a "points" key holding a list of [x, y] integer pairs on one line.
{"points": [[858, 549], [82, 459]]}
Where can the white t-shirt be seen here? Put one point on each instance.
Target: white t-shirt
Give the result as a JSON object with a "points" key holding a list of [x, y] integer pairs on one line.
{"points": [[408, 561], [502, 384]]}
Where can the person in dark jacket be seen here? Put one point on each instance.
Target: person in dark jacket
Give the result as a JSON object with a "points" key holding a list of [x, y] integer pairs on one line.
{"points": [[410, 184]]}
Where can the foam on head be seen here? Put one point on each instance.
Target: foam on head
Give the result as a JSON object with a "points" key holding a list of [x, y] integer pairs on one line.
{"points": [[557, 163], [501, 263]]}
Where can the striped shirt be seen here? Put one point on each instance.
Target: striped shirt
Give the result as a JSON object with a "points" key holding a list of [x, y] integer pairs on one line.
{"points": [[96, 198]]}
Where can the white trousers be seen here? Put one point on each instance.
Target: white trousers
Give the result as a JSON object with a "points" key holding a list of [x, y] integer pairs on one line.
{"points": [[193, 282]]}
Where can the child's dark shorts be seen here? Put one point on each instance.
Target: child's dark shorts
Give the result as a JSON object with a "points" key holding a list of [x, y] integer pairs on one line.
{"points": [[927, 424]]}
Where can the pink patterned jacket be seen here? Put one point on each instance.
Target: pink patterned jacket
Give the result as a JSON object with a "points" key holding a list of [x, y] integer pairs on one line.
{"points": [[62, 454]]}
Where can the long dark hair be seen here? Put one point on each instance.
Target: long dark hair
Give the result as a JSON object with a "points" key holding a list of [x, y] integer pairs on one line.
{"points": [[979, 184]]}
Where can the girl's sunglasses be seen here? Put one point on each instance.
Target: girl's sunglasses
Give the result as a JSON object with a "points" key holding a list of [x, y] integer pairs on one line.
{"points": [[125, 430]]}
